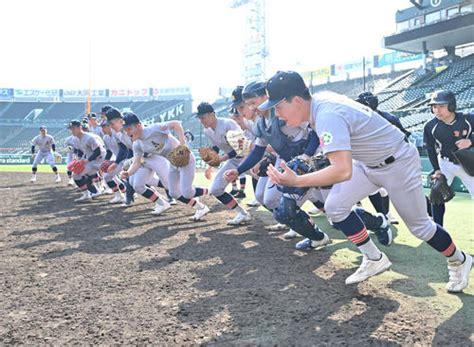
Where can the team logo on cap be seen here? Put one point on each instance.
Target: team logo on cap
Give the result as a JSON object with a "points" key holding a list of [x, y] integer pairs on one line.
{"points": [[325, 139]]}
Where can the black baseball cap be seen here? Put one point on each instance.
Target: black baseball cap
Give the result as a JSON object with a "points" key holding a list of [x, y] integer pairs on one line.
{"points": [[237, 96], [283, 84], [42, 127], [442, 97], [92, 115], [129, 119], [74, 124], [203, 108], [113, 113], [105, 108], [253, 90]]}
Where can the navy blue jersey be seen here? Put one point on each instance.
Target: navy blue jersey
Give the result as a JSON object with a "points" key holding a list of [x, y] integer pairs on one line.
{"points": [[441, 138]]}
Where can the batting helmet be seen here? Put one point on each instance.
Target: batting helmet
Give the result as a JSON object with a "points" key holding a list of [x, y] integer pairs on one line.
{"points": [[368, 99], [443, 97]]}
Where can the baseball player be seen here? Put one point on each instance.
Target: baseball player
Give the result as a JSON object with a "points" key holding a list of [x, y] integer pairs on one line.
{"points": [[46, 150], [90, 151], [447, 132], [215, 129], [151, 147], [69, 147], [287, 142], [111, 180], [380, 199], [124, 141], [365, 152], [94, 125]]}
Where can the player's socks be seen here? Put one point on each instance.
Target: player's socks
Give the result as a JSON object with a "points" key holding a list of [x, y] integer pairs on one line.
{"points": [[242, 182], [254, 184], [112, 185], [69, 174], [201, 191], [318, 204], [191, 202], [356, 232], [385, 204], [377, 202], [81, 183], [34, 170], [437, 212], [55, 169], [228, 200], [150, 194], [443, 243]]}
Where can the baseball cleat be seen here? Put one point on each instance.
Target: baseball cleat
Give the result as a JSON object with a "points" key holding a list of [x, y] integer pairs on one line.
{"points": [[240, 194], [160, 207], [384, 233], [276, 227], [96, 194], [172, 201], [391, 219], [241, 218], [369, 268], [291, 235], [86, 196], [233, 192], [70, 182], [459, 274], [33, 179], [314, 212], [116, 199], [308, 244], [58, 179], [253, 203], [200, 212]]}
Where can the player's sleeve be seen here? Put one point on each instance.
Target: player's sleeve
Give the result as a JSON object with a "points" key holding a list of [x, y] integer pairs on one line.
{"points": [[232, 125], [252, 159], [334, 132], [260, 142], [122, 153], [429, 142], [137, 149]]}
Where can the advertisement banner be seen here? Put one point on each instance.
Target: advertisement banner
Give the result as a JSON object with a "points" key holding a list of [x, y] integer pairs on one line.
{"points": [[323, 72], [354, 66], [34, 93], [83, 93], [121, 93], [176, 91], [397, 58], [6, 93]]}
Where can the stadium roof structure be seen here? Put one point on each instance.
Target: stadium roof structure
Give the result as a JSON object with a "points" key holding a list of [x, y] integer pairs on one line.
{"points": [[428, 28]]}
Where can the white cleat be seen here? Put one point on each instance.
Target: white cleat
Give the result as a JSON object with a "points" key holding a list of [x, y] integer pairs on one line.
{"points": [[276, 227], [33, 179], [86, 196], [391, 219], [70, 182], [172, 201], [161, 207], [94, 195], [117, 198], [200, 212], [241, 218], [459, 274], [369, 268], [291, 235], [58, 179], [253, 203]]}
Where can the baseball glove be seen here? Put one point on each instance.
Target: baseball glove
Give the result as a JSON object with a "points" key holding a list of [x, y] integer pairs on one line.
{"points": [[58, 158], [179, 156], [441, 192], [105, 165], [127, 163], [77, 166], [209, 156], [239, 142], [268, 159]]}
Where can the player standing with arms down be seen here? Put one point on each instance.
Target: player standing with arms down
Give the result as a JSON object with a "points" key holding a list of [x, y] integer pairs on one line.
{"points": [[46, 150], [382, 158], [447, 132]]}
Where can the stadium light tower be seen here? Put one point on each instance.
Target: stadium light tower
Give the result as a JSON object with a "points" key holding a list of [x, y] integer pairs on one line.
{"points": [[255, 50]]}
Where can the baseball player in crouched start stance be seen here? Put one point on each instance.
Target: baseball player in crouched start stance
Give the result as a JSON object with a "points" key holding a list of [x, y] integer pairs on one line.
{"points": [[216, 129], [90, 152], [382, 158], [47, 151], [152, 147]]}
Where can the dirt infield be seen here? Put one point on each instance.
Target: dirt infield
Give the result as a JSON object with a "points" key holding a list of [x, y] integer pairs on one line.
{"points": [[96, 273]]}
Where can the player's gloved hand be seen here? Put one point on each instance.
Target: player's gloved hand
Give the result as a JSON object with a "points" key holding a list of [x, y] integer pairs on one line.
{"points": [[112, 168], [303, 156], [436, 174], [208, 173], [231, 175], [464, 143]]}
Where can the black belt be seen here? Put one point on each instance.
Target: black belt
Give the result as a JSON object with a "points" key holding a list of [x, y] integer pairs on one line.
{"points": [[449, 159], [387, 161]]}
